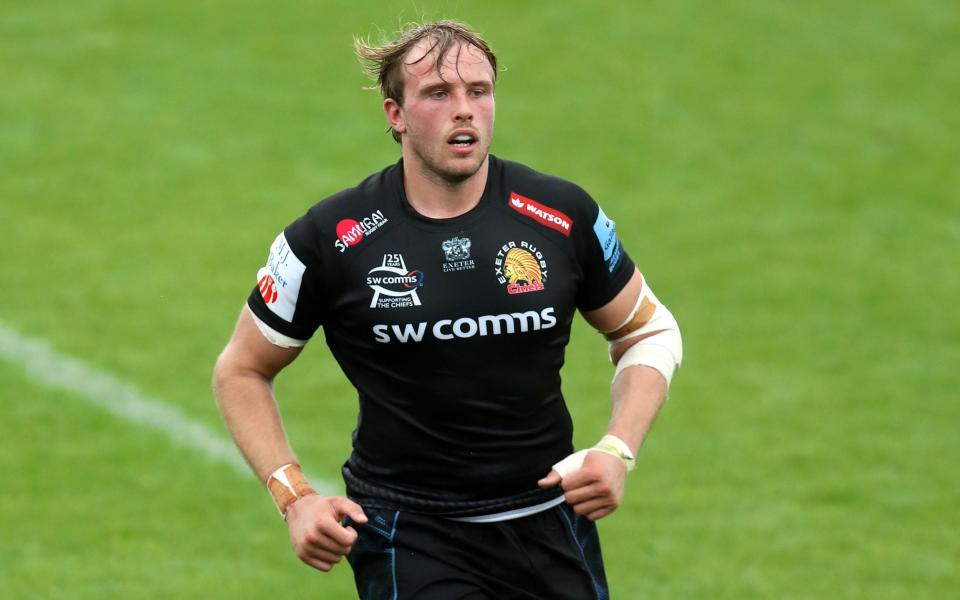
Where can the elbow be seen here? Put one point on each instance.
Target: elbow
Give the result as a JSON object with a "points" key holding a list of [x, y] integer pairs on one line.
{"points": [[226, 371], [233, 368], [220, 376], [660, 346]]}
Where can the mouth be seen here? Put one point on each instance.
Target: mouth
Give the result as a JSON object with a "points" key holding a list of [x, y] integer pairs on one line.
{"points": [[462, 139]]}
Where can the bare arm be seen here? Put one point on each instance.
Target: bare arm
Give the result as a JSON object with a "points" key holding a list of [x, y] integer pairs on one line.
{"points": [[638, 392], [243, 385]]}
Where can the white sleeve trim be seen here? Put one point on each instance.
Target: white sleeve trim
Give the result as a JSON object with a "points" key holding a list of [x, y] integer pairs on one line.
{"points": [[275, 337]]}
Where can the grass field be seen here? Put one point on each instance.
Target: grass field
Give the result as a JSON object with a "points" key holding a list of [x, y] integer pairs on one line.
{"points": [[786, 174]]}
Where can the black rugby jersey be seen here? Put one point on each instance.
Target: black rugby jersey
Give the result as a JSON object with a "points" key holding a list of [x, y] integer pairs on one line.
{"points": [[453, 331]]}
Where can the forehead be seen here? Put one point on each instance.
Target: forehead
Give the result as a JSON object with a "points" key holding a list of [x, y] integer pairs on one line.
{"points": [[462, 61]]}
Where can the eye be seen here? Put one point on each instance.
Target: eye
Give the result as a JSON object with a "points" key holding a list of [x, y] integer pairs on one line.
{"points": [[477, 92], [438, 94]]}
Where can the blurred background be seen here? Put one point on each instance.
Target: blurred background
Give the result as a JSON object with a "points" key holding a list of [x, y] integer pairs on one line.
{"points": [[784, 173]]}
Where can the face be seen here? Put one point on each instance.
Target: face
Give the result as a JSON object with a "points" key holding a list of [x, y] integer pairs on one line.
{"points": [[446, 119]]}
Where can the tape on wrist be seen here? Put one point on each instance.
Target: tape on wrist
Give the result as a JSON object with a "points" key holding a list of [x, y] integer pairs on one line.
{"points": [[287, 485], [608, 444], [614, 446]]}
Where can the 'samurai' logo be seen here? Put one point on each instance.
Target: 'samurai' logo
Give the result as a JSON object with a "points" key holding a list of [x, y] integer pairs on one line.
{"points": [[351, 232], [456, 251], [268, 289], [520, 266], [393, 285]]}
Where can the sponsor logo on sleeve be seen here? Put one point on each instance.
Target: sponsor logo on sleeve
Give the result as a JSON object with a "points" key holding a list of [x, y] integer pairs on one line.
{"points": [[351, 232], [541, 213], [279, 281], [393, 285], [268, 289], [521, 266], [456, 252], [606, 232]]}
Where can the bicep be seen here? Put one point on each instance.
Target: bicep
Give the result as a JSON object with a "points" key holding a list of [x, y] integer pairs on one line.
{"points": [[612, 314], [634, 315], [249, 351]]}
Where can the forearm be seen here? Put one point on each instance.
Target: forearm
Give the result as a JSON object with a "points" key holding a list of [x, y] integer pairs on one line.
{"points": [[637, 394], [242, 384], [314, 522], [249, 409], [593, 481]]}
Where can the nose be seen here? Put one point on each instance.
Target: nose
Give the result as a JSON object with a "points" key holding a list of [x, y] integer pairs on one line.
{"points": [[462, 111]]}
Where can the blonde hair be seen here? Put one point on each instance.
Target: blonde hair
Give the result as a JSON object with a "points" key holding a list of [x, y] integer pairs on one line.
{"points": [[384, 63]]}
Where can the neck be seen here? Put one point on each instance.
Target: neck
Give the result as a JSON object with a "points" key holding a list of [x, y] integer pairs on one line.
{"points": [[437, 198]]}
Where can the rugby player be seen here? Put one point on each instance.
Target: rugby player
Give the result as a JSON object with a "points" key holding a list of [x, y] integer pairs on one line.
{"points": [[447, 284]]}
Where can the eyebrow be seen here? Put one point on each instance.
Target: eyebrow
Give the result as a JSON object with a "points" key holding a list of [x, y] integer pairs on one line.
{"points": [[484, 83], [443, 85]]}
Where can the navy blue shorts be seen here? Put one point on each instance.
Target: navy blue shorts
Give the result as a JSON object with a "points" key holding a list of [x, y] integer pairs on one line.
{"points": [[552, 555]]}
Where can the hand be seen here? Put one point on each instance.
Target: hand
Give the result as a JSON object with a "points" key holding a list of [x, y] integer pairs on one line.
{"points": [[315, 531], [594, 490]]}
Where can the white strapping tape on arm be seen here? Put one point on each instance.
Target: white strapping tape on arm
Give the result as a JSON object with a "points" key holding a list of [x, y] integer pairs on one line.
{"points": [[662, 350], [275, 337]]}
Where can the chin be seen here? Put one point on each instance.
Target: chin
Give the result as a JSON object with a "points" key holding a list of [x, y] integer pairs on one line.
{"points": [[458, 175], [451, 169], [459, 170]]}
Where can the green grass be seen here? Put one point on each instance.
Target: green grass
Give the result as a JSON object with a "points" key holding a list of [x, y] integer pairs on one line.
{"points": [[785, 174]]}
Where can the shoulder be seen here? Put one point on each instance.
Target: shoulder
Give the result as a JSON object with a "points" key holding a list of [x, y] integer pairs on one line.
{"points": [[553, 201], [343, 219], [532, 180], [373, 194]]}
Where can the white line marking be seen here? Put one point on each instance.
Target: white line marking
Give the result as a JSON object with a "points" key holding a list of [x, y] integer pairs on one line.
{"points": [[52, 369]]}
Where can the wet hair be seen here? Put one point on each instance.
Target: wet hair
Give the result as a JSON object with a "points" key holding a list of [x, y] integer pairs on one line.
{"points": [[384, 63]]}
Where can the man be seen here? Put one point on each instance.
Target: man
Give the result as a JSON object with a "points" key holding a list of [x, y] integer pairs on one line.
{"points": [[447, 284]]}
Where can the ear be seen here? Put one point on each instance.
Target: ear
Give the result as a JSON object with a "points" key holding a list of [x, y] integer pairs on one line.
{"points": [[394, 114]]}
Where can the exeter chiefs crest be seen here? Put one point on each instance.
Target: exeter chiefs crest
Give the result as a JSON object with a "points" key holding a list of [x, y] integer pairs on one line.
{"points": [[522, 267], [393, 285]]}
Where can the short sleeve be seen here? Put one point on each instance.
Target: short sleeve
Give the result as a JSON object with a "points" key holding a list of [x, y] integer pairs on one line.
{"points": [[286, 296], [604, 262]]}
